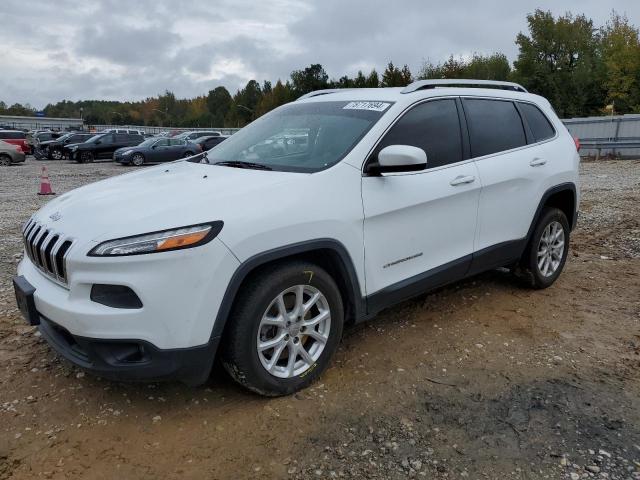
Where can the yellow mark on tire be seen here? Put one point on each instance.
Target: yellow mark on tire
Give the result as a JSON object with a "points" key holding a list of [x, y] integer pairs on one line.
{"points": [[310, 273], [309, 370]]}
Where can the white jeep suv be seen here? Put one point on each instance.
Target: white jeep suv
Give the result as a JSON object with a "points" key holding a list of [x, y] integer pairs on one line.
{"points": [[318, 214]]}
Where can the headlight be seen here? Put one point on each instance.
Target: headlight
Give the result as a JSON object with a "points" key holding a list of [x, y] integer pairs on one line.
{"points": [[127, 152], [166, 240], [73, 149]]}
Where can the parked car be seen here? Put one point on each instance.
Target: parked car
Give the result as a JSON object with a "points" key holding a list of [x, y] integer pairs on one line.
{"points": [[16, 137], [40, 137], [131, 131], [208, 142], [101, 146], [155, 150], [54, 149], [10, 153], [197, 134], [267, 254]]}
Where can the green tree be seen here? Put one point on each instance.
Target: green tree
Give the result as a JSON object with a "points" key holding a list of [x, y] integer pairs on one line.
{"points": [[559, 59], [395, 77], [360, 81], [621, 55], [372, 81], [279, 95], [479, 67], [218, 103], [309, 79]]}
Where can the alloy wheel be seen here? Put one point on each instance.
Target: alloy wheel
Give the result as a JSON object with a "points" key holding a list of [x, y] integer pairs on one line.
{"points": [[293, 331], [551, 249], [137, 159]]}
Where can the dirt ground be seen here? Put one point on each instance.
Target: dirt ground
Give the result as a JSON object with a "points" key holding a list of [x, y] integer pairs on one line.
{"points": [[482, 379]]}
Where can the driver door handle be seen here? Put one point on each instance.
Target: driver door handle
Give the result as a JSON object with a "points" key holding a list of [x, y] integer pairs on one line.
{"points": [[537, 162], [462, 180]]}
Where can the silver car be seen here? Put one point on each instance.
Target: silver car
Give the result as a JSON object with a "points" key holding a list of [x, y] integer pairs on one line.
{"points": [[10, 153]]}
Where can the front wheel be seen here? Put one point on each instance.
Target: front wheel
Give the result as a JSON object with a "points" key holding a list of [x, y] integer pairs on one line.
{"points": [[56, 154], [5, 160], [187, 155], [86, 157], [137, 159], [285, 327], [546, 253]]}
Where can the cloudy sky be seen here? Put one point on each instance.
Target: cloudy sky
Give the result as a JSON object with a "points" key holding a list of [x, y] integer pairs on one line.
{"points": [[128, 50]]}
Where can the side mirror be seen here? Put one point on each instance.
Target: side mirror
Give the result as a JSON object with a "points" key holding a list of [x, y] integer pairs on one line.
{"points": [[398, 158], [98, 142], [154, 146]]}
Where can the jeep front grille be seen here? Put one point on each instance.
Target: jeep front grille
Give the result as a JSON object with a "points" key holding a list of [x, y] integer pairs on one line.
{"points": [[47, 250]]}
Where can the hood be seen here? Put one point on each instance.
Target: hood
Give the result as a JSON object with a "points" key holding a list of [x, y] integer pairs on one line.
{"points": [[124, 149], [69, 145], [46, 143], [157, 198]]}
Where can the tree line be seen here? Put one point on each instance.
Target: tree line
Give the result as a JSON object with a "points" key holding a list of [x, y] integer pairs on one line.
{"points": [[582, 70]]}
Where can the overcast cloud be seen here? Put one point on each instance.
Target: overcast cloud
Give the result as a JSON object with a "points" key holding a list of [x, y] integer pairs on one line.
{"points": [[128, 50]]}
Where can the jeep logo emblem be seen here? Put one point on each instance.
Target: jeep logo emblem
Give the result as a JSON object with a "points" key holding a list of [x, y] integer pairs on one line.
{"points": [[55, 216]]}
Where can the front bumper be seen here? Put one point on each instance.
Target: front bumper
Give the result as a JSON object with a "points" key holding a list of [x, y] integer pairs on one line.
{"points": [[124, 159], [129, 359], [180, 291]]}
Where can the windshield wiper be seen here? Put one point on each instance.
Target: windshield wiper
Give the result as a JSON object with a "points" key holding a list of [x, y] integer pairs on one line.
{"points": [[241, 164]]}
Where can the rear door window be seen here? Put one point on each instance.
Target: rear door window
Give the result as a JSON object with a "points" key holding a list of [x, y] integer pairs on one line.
{"points": [[494, 126], [538, 123], [433, 126]]}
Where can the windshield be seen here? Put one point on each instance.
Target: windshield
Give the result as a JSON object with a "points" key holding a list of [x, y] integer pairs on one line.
{"points": [[148, 142], [94, 138], [301, 137], [64, 136]]}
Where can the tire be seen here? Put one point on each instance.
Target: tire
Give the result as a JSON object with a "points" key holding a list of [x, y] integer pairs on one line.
{"points": [[56, 154], [85, 157], [543, 269], [137, 159], [257, 301], [5, 160], [187, 155]]}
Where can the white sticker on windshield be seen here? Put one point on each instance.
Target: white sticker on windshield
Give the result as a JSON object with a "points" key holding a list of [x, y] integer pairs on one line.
{"points": [[374, 106]]}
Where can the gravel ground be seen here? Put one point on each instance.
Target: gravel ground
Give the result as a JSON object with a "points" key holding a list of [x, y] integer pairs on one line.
{"points": [[482, 379]]}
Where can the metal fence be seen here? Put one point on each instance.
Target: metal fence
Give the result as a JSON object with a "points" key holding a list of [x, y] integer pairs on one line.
{"points": [[40, 123], [613, 136]]}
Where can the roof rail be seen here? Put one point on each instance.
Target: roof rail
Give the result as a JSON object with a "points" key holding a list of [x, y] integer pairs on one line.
{"points": [[424, 84], [323, 92]]}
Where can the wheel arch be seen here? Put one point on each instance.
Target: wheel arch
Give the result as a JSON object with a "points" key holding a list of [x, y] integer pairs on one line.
{"points": [[561, 196], [327, 253]]}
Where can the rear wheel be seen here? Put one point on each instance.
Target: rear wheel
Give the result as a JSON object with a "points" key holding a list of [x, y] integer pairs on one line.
{"points": [[5, 160], [137, 159], [284, 329], [56, 154], [187, 155], [546, 253]]}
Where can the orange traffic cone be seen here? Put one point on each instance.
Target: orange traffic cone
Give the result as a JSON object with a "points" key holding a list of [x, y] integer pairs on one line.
{"points": [[45, 185]]}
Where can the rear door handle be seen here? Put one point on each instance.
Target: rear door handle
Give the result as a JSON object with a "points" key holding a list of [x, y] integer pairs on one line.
{"points": [[462, 179], [537, 162]]}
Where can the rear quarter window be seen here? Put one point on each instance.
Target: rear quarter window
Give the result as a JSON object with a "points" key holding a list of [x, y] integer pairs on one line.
{"points": [[494, 126], [539, 124]]}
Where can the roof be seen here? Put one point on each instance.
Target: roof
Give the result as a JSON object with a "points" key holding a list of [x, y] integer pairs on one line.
{"points": [[425, 89], [395, 94]]}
